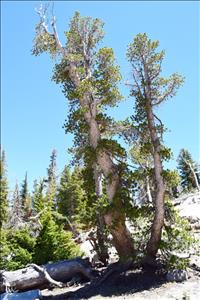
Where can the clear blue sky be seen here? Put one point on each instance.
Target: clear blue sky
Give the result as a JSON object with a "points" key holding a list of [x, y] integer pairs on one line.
{"points": [[34, 108]]}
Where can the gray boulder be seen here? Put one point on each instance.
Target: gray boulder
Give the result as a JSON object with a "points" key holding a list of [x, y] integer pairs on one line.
{"points": [[177, 275]]}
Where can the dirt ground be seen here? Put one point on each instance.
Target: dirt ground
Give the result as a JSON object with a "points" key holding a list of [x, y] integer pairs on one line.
{"points": [[136, 285], [139, 284]]}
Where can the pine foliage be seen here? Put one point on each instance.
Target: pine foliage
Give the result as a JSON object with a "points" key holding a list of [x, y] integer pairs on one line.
{"points": [[53, 243], [188, 170], [3, 190]]}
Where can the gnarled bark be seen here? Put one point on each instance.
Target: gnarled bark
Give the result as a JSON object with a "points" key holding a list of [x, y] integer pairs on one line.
{"points": [[115, 219], [158, 221], [122, 240]]}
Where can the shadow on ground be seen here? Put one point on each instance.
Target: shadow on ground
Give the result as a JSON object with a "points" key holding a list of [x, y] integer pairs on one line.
{"points": [[117, 285]]}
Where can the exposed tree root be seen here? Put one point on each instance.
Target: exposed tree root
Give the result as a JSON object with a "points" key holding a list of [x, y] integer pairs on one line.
{"points": [[121, 267], [195, 268], [115, 268]]}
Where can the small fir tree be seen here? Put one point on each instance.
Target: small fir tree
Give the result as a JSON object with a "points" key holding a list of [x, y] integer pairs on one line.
{"points": [[71, 195], [51, 181], [66, 205], [24, 190], [53, 243], [39, 200], [3, 190], [189, 172], [26, 199], [21, 248], [16, 213]]}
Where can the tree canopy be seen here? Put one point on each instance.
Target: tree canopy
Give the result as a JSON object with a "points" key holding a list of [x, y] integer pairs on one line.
{"points": [[121, 194]]}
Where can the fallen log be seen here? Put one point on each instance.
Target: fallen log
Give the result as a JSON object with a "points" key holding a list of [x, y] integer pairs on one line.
{"points": [[34, 276]]}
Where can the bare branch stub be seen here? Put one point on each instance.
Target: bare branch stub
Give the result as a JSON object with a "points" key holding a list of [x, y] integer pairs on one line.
{"points": [[46, 275]]}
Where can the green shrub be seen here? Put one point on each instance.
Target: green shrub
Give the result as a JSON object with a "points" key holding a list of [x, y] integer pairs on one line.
{"points": [[177, 238], [17, 248], [53, 242]]}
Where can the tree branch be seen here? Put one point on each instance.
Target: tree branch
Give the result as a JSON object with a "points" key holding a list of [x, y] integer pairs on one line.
{"points": [[36, 217], [137, 84], [46, 275], [41, 12], [158, 72], [166, 94], [120, 128], [55, 33], [161, 124]]}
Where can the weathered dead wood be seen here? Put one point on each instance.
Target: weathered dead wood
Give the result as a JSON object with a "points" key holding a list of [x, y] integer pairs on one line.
{"points": [[46, 275], [34, 276]]}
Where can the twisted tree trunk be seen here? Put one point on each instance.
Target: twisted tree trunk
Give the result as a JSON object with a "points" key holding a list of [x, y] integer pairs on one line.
{"points": [[158, 221], [115, 218], [156, 229]]}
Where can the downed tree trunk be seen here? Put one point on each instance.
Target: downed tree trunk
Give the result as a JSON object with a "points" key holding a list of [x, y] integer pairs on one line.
{"points": [[34, 276]]}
